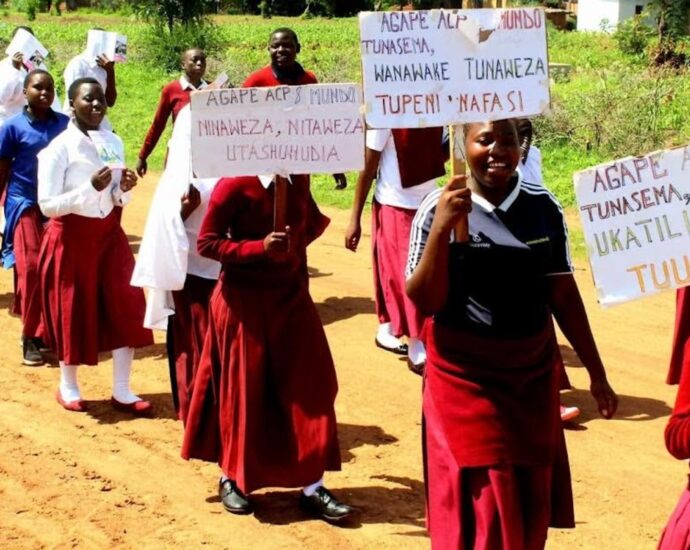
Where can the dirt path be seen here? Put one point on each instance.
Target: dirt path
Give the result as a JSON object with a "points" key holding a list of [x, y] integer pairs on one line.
{"points": [[105, 480]]}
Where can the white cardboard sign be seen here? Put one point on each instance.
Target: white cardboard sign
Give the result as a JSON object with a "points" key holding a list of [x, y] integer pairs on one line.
{"points": [[636, 219], [441, 67], [281, 130], [33, 52]]}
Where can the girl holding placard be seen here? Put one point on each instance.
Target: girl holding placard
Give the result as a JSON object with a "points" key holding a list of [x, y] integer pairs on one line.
{"points": [[496, 464], [85, 262]]}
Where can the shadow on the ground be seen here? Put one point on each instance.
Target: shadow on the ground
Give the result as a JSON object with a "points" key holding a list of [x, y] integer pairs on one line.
{"points": [[397, 501], [334, 309], [630, 407], [103, 411], [352, 436]]}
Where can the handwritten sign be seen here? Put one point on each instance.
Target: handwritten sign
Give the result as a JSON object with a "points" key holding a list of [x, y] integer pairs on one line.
{"points": [[636, 219], [440, 67], [282, 130]]}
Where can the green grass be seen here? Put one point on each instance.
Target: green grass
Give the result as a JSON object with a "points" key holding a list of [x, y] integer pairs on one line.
{"points": [[611, 106]]}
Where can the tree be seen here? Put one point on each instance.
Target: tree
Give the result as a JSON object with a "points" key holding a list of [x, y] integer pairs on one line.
{"points": [[171, 11]]}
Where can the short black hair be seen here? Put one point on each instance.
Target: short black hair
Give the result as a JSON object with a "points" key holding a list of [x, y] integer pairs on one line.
{"points": [[284, 30], [35, 72], [192, 49], [77, 83], [22, 27]]}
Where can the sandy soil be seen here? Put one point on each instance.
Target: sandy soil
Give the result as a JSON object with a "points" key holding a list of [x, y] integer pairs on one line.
{"points": [[106, 480]]}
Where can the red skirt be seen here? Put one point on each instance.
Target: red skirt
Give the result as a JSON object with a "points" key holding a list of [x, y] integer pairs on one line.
{"points": [[679, 356], [189, 326], [496, 464], [263, 399], [390, 239], [27, 244], [676, 534], [85, 265]]}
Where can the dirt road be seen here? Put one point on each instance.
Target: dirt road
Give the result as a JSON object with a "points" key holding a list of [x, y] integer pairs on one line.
{"points": [[105, 480]]}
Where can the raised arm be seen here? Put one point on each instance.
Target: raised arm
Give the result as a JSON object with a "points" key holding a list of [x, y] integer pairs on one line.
{"points": [[427, 282], [354, 230]]}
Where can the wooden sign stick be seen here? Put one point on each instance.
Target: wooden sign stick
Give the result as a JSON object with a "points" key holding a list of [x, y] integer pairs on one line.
{"points": [[280, 204], [457, 168]]}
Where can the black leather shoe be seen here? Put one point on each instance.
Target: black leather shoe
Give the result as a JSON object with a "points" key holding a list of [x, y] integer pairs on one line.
{"points": [[417, 368], [324, 505], [399, 350], [234, 500]]}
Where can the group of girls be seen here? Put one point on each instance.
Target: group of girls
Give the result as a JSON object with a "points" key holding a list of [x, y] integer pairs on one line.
{"points": [[253, 377]]}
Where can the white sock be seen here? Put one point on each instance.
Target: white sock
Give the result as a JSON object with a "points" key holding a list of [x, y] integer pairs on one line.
{"points": [[385, 337], [309, 490], [122, 368], [69, 389], [416, 351], [223, 478]]}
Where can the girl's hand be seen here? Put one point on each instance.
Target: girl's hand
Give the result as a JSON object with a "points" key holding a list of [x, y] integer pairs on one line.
{"points": [[104, 63], [454, 204], [190, 201], [128, 180], [352, 235], [277, 244], [606, 398], [17, 60], [102, 178]]}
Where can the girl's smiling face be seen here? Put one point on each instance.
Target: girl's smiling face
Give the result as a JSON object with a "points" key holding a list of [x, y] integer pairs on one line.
{"points": [[493, 153], [89, 106]]}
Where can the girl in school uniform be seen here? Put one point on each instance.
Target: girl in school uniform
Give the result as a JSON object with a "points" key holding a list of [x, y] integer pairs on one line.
{"points": [[174, 97], [676, 535], [178, 280], [22, 137], [265, 387], [496, 465], [85, 262]]}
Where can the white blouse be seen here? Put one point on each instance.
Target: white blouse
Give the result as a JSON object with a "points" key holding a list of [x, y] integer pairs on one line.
{"points": [[167, 253], [65, 168]]}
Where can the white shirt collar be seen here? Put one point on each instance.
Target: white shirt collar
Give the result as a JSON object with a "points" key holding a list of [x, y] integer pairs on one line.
{"points": [[267, 180], [187, 85], [507, 202]]}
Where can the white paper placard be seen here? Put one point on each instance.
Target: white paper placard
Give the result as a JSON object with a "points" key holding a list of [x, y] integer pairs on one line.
{"points": [[33, 52], [110, 44], [110, 148], [441, 67], [282, 130], [636, 220]]}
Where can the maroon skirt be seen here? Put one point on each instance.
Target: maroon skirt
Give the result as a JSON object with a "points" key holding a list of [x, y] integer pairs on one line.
{"points": [[390, 239], [85, 265], [496, 464], [189, 326], [263, 399], [676, 534]]}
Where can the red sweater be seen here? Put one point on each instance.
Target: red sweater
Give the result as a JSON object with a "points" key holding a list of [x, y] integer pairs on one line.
{"points": [[266, 77], [173, 99]]}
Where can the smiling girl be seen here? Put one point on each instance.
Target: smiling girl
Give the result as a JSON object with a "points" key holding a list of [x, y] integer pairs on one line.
{"points": [[496, 464], [85, 262]]}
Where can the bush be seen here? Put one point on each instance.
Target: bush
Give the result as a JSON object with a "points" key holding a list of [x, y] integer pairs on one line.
{"points": [[162, 47], [633, 36]]}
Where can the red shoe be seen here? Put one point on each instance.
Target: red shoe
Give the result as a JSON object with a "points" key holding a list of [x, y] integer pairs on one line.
{"points": [[78, 405], [138, 408]]}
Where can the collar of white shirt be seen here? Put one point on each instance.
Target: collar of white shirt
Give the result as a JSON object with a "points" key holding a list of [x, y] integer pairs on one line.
{"points": [[187, 85], [266, 181]]}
